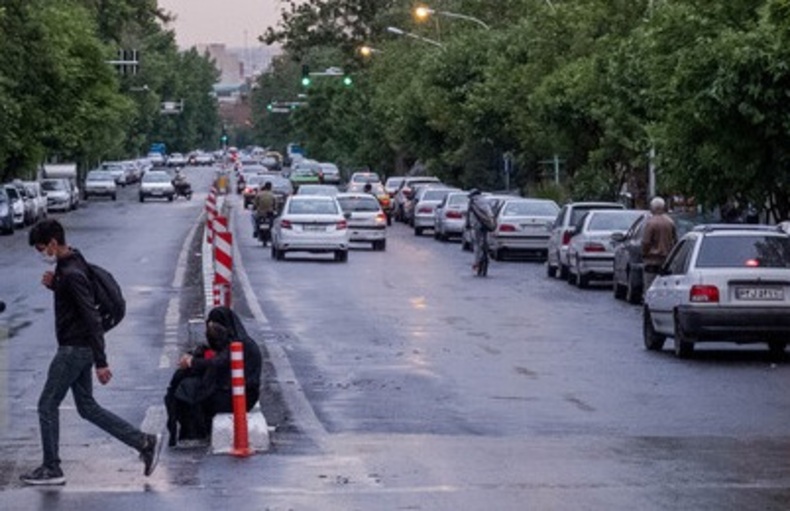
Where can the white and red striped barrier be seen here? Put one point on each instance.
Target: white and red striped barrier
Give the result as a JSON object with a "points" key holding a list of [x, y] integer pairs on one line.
{"points": [[211, 213], [223, 261]]}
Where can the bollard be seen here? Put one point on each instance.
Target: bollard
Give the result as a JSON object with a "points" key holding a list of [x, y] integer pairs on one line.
{"points": [[241, 444]]}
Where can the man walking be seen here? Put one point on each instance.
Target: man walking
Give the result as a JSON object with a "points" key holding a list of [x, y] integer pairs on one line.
{"points": [[80, 339], [658, 239]]}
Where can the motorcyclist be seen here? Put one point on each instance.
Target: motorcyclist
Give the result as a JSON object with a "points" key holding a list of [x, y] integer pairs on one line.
{"points": [[180, 183], [264, 206], [478, 206]]}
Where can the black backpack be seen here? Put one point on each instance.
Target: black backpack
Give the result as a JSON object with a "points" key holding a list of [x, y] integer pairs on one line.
{"points": [[109, 297]]}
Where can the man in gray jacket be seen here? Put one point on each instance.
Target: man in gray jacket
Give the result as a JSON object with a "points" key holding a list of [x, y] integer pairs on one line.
{"points": [[80, 337]]}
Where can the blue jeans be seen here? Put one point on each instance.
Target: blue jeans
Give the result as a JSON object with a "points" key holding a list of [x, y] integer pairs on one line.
{"points": [[72, 368]]}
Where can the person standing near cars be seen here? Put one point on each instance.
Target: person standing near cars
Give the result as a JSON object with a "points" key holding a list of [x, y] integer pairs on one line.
{"points": [[80, 337], [657, 240]]}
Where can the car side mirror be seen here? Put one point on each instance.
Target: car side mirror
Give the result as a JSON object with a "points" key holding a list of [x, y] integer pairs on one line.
{"points": [[347, 215], [618, 237]]}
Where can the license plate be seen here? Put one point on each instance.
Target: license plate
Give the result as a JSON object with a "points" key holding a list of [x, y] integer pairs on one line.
{"points": [[157, 192], [314, 228], [760, 293]]}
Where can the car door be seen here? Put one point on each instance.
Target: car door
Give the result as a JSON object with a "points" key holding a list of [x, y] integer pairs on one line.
{"points": [[556, 236], [666, 293]]}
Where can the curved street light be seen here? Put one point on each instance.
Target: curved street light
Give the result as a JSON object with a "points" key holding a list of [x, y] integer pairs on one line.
{"points": [[423, 12], [366, 51], [397, 31]]}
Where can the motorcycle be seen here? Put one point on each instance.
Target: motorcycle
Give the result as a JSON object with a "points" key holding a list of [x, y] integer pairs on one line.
{"points": [[183, 189], [264, 229]]}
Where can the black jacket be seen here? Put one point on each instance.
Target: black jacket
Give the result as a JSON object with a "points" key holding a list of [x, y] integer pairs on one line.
{"points": [[77, 320]]}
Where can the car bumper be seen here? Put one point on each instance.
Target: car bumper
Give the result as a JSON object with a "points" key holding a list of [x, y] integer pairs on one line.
{"points": [[602, 266], [424, 221], [313, 243], [451, 227], [520, 243], [106, 192], [741, 324], [367, 233]]}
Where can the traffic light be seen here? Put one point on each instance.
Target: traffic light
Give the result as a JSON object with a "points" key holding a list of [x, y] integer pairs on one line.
{"points": [[348, 81], [269, 107], [224, 138], [306, 75]]}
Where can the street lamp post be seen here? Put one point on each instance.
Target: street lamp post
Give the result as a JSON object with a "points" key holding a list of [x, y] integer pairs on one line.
{"points": [[397, 31], [423, 13], [366, 51]]}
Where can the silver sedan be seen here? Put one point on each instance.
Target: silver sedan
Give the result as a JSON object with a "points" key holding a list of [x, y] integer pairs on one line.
{"points": [[311, 223], [367, 223], [591, 248], [523, 227]]}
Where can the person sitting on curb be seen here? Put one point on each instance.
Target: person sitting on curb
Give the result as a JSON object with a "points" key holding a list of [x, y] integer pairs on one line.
{"points": [[201, 386]]}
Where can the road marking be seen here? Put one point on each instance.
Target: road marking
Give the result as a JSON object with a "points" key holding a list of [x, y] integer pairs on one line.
{"points": [[173, 313]]}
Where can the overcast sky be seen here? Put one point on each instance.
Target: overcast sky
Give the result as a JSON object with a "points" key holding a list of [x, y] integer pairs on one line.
{"points": [[221, 21]]}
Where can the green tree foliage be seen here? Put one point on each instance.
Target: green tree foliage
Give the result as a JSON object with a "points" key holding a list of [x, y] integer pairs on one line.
{"points": [[599, 83], [61, 100]]}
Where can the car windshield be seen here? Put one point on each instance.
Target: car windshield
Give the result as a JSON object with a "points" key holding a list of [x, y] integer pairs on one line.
{"points": [[620, 221], [757, 250], [99, 176], [304, 171], [53, 185], [317, 190], [313, 207], [365, 178], [358, 204], [394, 182], [156, 177], [458, 200], [579, 212], [329, 168], [530, 209], [435, 195], [12, 192]]}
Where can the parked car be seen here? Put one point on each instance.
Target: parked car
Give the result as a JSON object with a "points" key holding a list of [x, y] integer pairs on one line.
{"points": [[425, 204], [330, 173], [99, 183], [34, 192], [450, 215], [591, 249], [495, 200], [522, 228], [28, 204], [404, 193], [58, 192], [311, 223], [6, 213], [156, 184], [367, 222], [561, 231], [364, 177], [117, 169], [156, 159], [722, 283], [17, 204], [408, 208], [627, 279], [328, 190]]}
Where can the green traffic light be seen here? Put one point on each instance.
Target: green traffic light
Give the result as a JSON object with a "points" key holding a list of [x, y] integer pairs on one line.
{"points": [[306, 81], [347, 81], [269, 107]]}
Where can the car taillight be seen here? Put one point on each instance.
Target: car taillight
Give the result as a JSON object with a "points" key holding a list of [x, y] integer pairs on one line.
{"points": [[425, 210], [381, 218], [248, 191], [341, 225], [566, 237], [285, 224], [454, 214], [704, 294], [384, 200], [591, 246], [507, 228]]}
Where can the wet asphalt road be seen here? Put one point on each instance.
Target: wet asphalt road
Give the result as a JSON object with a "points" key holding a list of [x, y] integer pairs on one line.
{"points": [[407, 382]]}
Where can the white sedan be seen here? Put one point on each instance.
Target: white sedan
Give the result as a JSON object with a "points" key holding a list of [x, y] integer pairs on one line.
{"points": [[311, 223], [367, 223]]}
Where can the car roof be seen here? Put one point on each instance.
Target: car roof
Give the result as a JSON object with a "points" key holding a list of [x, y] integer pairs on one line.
{"points": [[737, 228], [355, 195]]}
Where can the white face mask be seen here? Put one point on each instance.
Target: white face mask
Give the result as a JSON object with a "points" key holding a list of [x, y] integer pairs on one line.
{"points": [[47, 258]]}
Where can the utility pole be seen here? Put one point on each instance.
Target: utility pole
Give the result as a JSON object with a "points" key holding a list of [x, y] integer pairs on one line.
{"points": [[651, 174]]}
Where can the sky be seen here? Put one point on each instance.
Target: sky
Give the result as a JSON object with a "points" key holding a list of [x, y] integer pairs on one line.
{"points": [[236, 23]]}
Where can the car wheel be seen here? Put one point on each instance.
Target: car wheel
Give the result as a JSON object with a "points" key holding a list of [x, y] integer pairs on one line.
{"points": [[383, 245], [114, 197], [563, 272], [633, 294], [389, 220], [142, 199], [274, 252], [465, 246], [618, 290], [169, 198], [551, 271], [418, 231], [280, 255], [652, 339], [777, 349], [582, 280], [435, 234], [570, 277], [684, 346]]}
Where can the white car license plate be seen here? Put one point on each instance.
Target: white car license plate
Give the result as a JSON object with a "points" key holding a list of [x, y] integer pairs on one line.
{"points": [[314, 228], [157, 192], [760, 293]]}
